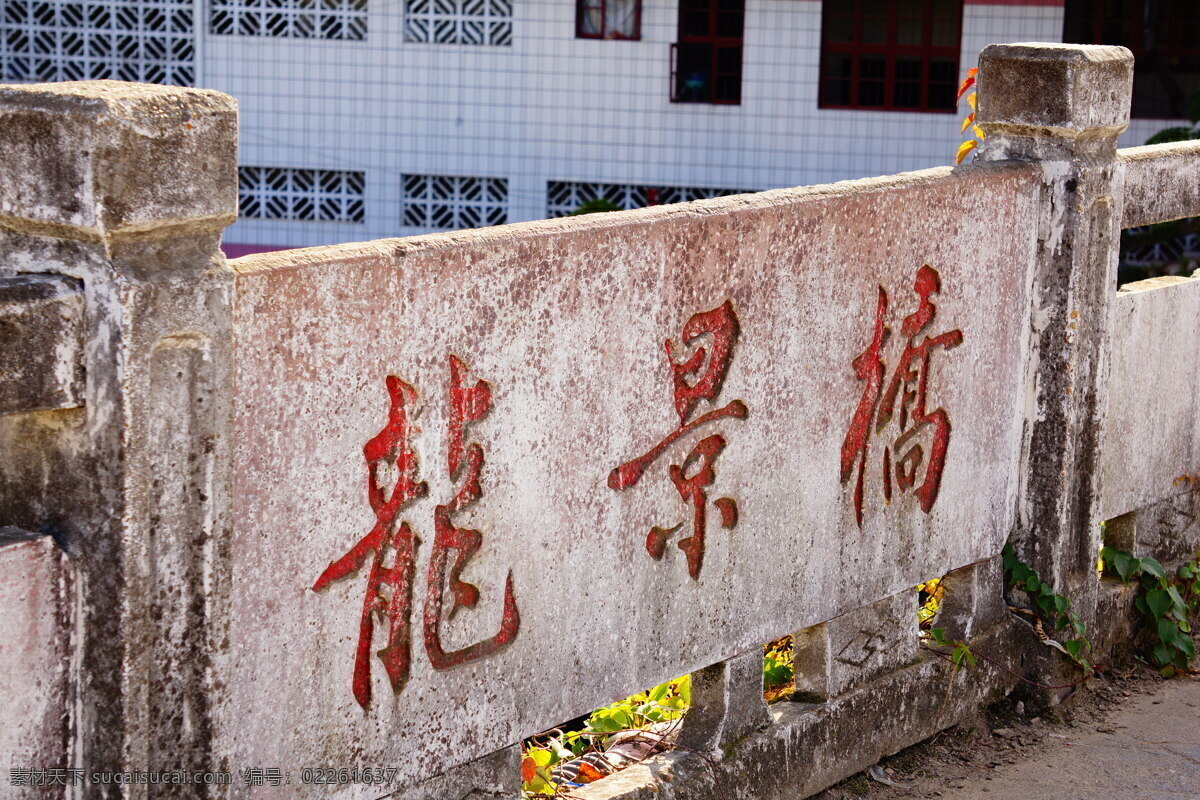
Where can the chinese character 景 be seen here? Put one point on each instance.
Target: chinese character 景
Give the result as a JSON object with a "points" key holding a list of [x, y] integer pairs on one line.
{"points": [[697, 377]]}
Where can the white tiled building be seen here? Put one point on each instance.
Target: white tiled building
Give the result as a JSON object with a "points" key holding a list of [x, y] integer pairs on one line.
{"points": [[371, 118]]}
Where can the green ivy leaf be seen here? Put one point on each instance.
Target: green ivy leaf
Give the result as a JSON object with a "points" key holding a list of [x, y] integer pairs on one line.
{"points": [[1162, 654], [607, 724], [963, 653], [1152, 566], [1158, 601], [1122, 563], [1168, 631]]}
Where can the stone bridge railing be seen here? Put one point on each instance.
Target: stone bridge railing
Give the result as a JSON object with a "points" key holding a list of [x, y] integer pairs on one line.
{"points": [[401, 504]]}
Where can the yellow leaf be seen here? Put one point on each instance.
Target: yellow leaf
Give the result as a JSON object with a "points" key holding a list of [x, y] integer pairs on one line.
{"points": [[971, 101], [968, 81], [963, 149], [967, 122], [979, 132]]}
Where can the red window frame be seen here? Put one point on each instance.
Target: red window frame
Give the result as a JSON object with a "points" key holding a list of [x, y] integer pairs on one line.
{"points": [[1165, 74], [582, 5], [889, 51], [716, 46]]}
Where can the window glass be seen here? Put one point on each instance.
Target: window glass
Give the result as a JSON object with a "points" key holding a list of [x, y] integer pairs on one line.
{"points": [[874, 30], [904, 54], [621, 18], [836, 85], [708, 55], [839, 28], [910, 30], [945, 32], [1163, 37], [591, 19], [608, 19], [870, 80]]}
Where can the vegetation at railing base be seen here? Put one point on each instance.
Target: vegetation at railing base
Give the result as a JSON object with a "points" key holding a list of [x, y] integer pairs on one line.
{"points": [[779, 677], [1053, 609], [960, 652], [929, 595], [1169, 606], [543, 752]]}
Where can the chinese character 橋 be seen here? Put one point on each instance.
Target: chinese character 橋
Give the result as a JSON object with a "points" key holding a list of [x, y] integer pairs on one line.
{"points": [[697, 377], [904, 401], [390, 589]]}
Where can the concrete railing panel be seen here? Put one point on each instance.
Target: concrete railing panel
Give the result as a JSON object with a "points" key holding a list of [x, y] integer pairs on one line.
{"points": [[34, 658], [1152, 432], [1162, 183], [808, 303]]}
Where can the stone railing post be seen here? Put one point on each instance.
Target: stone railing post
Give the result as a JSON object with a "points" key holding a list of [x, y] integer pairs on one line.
{"points": [[120, 192], [1063, 107], [727, 704]]}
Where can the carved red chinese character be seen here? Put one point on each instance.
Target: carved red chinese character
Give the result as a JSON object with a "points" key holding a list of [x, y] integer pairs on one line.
{"points": [[697, 378], [467, 405], [391, 447], [390, 589], [904, 401]]}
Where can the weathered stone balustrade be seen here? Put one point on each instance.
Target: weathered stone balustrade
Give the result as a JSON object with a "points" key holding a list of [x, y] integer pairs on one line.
{"points": [[404, 503]]}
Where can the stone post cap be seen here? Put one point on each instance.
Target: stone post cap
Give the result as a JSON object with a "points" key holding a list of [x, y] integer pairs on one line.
{"points": [[97, 160], [1064, 91]]}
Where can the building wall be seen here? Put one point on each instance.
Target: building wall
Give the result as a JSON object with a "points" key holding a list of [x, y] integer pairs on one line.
{"points": [[546, 107]]}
